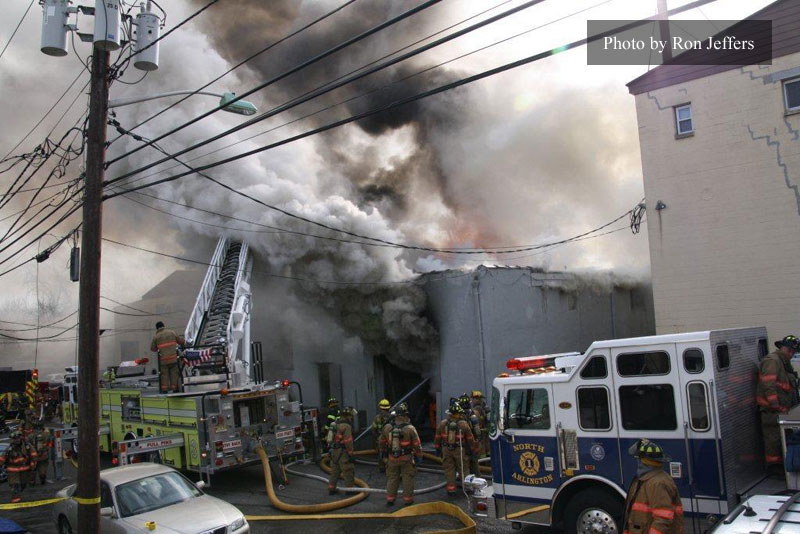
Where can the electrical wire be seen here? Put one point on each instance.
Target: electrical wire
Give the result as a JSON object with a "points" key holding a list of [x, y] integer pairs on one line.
{"points": [[49, 325], [297, 68], [15, 29], [401, 102], [335, 84], [6, 336], [249, 58]]}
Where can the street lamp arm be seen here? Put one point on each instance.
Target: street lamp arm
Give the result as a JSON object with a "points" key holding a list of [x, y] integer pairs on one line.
{"points": [[119, 102]]}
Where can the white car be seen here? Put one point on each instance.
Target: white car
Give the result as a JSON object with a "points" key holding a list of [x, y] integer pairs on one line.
{"points": [[763, 514], [142, 498]]}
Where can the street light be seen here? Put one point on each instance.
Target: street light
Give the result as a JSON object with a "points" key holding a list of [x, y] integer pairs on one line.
{"points": [[240, 107]]}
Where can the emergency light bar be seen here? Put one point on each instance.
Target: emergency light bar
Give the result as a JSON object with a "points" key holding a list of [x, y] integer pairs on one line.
{"points": [[530, 362]]}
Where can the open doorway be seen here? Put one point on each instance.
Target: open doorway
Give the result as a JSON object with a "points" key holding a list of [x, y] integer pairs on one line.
{"points": [[396, 383]]}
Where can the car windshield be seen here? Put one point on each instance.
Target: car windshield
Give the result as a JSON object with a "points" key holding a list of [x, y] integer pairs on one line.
{"points": [[154, 492]]}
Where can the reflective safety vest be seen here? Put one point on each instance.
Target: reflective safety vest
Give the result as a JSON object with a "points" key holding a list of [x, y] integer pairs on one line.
{"points": [[653, 505], [166, 342], [776, 385]]}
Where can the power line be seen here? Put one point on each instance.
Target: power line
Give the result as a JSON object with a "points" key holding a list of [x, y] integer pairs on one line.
{"points": [[6, 336], [289, 72], [335, 84], [15, 29], [407, 100], [49, 325], [249, 58]]}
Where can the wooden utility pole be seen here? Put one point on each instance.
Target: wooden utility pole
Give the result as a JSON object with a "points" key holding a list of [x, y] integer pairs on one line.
{"points": [[88, 492], [663, 27]]}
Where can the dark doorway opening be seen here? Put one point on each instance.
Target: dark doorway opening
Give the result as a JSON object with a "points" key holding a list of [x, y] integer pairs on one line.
{"points": [[396, 383]]}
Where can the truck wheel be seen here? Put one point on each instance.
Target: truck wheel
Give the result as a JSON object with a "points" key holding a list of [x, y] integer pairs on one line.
{"points": [[593, 512]]}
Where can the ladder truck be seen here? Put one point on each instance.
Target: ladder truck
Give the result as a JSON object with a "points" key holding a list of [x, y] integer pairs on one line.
{"points": [[225, 408]]}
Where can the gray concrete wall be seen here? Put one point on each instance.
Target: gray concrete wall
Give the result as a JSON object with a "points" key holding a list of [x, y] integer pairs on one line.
{"points": [[490, 315]]}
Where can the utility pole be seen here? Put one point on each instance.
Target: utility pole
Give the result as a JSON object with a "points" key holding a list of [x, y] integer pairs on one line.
{"points": [[88, 492], [663, 27]]}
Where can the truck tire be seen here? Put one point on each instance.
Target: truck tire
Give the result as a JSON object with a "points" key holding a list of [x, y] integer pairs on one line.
{"points": [[593, 511]]}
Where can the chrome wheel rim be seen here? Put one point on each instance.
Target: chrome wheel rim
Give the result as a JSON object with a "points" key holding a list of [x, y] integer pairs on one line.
{"points": [[596, 521]]}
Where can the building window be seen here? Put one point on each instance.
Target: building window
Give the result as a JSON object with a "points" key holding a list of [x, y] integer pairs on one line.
{"points": [[528, 409], [698, 406], [693, 361], [643, 364], [593, 410], [683, 119], [791, 94], [723, 357], [596, 368], [648, 407]]}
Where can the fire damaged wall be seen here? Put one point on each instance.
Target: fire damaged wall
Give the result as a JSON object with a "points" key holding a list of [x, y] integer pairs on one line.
{"points": [[489, 315]]}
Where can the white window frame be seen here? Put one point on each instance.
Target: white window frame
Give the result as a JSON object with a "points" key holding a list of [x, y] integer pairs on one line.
{"points": [[678, 119], [689, 405], [785, 99]]}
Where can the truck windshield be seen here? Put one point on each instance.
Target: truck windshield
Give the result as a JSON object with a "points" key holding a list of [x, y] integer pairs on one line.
{"points": [[152, 493], [494, 413]]}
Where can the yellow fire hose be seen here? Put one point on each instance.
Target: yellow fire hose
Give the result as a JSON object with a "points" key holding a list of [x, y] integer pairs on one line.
{"points": [[540, 508], [310, 512]]}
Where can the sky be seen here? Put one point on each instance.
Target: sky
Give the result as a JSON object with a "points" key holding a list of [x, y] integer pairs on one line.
{"points": [[530, 156]]}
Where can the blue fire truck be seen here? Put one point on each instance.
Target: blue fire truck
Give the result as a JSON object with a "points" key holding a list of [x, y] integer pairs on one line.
{"points": [[561, 425]]}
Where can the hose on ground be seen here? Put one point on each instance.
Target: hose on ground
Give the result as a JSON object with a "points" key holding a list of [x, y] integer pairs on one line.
{"points": [[305, 508]]}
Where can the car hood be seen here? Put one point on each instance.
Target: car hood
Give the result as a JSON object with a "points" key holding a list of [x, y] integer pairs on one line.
{"points": [[189, 517]]}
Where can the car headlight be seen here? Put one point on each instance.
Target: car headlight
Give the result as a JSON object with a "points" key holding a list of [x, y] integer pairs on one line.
{"points": [[239, 523]]}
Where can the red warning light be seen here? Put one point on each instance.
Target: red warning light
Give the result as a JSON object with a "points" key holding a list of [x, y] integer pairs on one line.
{"points": [[285, 383], [35, 374]]}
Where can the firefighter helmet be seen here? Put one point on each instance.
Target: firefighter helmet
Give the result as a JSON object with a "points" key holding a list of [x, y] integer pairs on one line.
{"points": [[789, 341], [401, 409], [384, 404], [650, 450], [16, 435], [456, 409], [477, 394], [333, 402], [348, 412]]}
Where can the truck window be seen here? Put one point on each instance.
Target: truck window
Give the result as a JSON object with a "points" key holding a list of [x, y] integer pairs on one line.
{"points": [[763, 348], [596, 368], [494, 411], [698, 406], [528, 409], [643, 363], [693, 361], [723, 357], [593, 410], [648, 407]]}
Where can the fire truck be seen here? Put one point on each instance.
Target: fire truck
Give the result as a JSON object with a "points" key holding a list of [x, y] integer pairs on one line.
{"points": [[561, 426], [225, 407]]}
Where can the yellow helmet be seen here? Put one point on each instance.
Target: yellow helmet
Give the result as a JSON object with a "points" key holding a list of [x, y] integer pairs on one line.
{"points": [[384, 404], [477, 394]]}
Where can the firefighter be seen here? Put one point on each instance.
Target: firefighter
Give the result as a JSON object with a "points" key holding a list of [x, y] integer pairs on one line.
{"points": [[165, 343], [342, 451], [474, 425], [454, 442], [653, 505], [381, 420], [479, 409], [42, 445], [18, 459], [329, 418], [405, 453], [774, 395]]}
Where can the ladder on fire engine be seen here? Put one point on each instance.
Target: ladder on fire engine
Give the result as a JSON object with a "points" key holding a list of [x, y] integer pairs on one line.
{"points": [[219, 321]]}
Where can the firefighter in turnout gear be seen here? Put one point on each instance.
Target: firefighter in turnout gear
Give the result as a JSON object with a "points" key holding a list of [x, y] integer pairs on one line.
{"points": [[454, 442], [165, 343], [42, 445], [405, 453], [653, 505], [18, 459], [329, 418], [775, 393], [382, 418], [474, 425], [479, 410], [341, 450]]}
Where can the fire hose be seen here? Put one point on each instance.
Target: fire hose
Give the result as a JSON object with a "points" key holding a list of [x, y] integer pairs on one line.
{"points": [[311, 512]]}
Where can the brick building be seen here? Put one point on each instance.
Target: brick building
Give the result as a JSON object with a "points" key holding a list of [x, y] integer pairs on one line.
{"points": [[720, 152]]}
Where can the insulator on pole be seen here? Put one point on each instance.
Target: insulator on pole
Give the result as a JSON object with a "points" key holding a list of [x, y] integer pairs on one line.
{"points": [[107, 25], [54, 27], [148, 30]]}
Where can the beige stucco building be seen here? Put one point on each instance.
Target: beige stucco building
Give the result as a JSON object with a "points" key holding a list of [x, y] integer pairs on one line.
{"points": [[721, 165]]}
